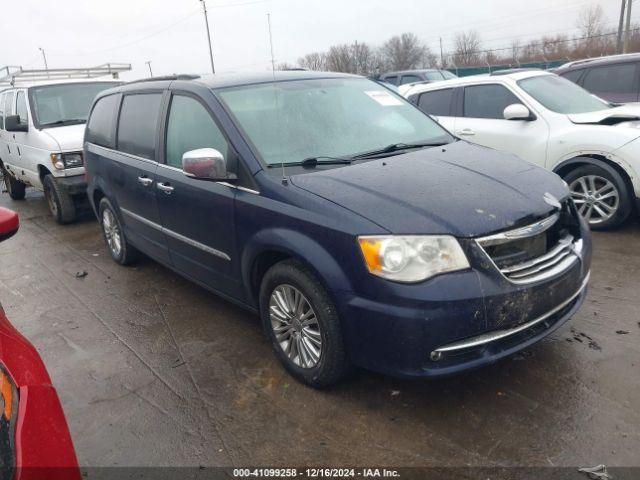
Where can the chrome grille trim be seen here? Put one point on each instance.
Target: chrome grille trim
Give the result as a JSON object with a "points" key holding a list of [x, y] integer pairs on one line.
{"points": [[500, 334], [523, 232]]}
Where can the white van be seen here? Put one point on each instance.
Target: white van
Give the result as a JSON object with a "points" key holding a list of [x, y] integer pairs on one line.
{"points": [[41, 134]]}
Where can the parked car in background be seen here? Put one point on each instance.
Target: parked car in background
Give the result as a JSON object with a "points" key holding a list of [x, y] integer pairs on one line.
{"points": [[360, 230], [41, 131], [615, 78], [552, 122], [428, 75], [34, 438]]}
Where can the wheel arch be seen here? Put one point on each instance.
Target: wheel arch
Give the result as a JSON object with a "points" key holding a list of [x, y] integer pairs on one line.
{"points": [[275, 245]]}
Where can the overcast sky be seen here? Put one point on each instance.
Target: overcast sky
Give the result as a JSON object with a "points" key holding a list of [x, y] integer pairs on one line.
{"points": [[171, 33]]}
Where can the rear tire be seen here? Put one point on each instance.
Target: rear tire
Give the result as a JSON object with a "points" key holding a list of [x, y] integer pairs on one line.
{"points": [[309, 340], [119, 247], [601, 195], [61, 205], [15, 188]]}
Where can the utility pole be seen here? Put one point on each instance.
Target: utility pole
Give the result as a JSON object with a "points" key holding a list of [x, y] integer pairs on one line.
{"points": [[442, 54], [149, 65], [273, 61], [206, 21], [620, 26], [627, 32], [46, 67]]}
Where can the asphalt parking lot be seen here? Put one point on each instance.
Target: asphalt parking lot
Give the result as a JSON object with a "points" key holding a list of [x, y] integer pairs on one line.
{"points": [[154, 370]]}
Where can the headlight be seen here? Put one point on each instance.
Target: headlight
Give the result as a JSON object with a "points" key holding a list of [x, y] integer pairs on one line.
{"points": [[412, 258], [66, 160]]}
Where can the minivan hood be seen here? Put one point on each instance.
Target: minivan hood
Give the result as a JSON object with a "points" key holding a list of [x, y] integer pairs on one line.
{"points": [[68, 137], [459, 189], [610, 116]]}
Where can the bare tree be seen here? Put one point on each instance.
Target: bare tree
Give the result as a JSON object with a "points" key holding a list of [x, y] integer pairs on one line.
{"points": [[591, 22], [314, 61], [467, 49], [403, 52]]}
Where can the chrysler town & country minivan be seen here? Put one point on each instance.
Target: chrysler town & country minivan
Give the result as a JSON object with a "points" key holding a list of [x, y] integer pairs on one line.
{"points": [[362, 232]]}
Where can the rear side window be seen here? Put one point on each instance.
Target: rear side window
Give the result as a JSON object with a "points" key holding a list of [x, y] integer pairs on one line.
{"points": [[573, 76], [191, 127], [8, 104], [437, 102], [611, 79], [393, 80], [138, 124], [100, 125], [21, 108], [487, 101], [410, 79]]}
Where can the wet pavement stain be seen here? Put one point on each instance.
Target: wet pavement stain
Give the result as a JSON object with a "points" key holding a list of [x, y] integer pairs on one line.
{"points": [[154, 370]]}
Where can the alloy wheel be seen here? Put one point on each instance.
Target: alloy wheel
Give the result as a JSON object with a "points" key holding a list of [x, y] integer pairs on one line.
{"points": [[295, 326], [112, 232], [596, 198]]}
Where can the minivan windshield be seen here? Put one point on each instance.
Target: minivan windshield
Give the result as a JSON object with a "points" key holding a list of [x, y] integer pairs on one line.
{"points": [[561, 95], [290, 121], [64, 104]]}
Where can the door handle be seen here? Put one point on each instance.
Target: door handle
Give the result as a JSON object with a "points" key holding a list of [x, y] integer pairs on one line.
{"points": [[165, 187], [466, 131], [145, 181]]}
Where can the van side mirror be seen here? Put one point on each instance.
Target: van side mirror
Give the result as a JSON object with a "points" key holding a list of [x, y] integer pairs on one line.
{"points": [[9, 223], [12, 124], [206, 164], [517, 111]]}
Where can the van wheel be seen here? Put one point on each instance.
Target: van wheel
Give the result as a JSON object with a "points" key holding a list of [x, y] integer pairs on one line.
{"points": [[113, 233], [15, 188], [302, 323], [60, 202], [600, 194]]}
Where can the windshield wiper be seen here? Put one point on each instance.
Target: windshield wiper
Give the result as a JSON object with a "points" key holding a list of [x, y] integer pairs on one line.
{"points": [[397, 147], [66, 120], [312, 162]]}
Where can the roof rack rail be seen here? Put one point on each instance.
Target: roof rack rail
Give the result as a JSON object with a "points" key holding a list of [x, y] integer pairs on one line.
{"points": [[507, 71], [181, 76], [604, 57], [11, 75]]}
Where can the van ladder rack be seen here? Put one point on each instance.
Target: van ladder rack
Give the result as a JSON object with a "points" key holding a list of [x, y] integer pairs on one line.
{"points": [[12, 75]]}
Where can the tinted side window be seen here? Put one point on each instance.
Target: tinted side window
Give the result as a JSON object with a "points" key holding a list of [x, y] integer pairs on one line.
{"points": [[8, 104], [392, 80], [138, 124], [437, 102], [487, 101], [190, 127], [613, 79], [100, 125], [21, 108], [410, 79], [573, 75]]}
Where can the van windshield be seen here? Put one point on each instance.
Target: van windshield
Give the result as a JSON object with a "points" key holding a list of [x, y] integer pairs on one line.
{"points": [[561, 95], [65, 104], [290, 121]]}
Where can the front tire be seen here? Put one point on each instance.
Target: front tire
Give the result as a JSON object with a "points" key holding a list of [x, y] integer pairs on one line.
{"points": [[60, 203], [113, 233], [301, 320], [601, 195], [15, 188]]}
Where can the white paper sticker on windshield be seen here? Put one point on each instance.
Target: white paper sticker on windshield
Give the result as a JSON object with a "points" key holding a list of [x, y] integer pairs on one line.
{"points": [[384, 98]]}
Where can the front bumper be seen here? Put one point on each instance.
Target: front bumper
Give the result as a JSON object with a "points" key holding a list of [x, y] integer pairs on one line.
{"points": [[76, 185], [458, 321]]}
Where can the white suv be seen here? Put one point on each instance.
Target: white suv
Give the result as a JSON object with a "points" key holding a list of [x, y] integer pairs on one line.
{"points": [[41, 134], [552, 122]]}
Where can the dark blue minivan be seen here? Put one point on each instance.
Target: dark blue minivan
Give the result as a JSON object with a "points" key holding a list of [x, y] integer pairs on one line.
{"points": [[362, 232]]}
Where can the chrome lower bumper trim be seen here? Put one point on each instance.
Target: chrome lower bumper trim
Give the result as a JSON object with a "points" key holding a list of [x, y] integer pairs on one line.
{"points": [[500, 334]]}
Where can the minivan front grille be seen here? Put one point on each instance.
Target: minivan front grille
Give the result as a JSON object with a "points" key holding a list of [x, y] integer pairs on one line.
{"points": [[537, 251]]}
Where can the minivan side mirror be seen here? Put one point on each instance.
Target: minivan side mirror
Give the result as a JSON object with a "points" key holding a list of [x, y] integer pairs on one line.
{"points": [[12, 124], [9, 223], [205, 163], [517, 111]]}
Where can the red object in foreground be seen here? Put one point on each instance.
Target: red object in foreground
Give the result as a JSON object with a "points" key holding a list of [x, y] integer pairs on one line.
{"points": [[34, 438]]}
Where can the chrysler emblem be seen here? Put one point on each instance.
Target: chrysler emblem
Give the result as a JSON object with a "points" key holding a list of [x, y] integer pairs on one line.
{"points": [[551, 200]]}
